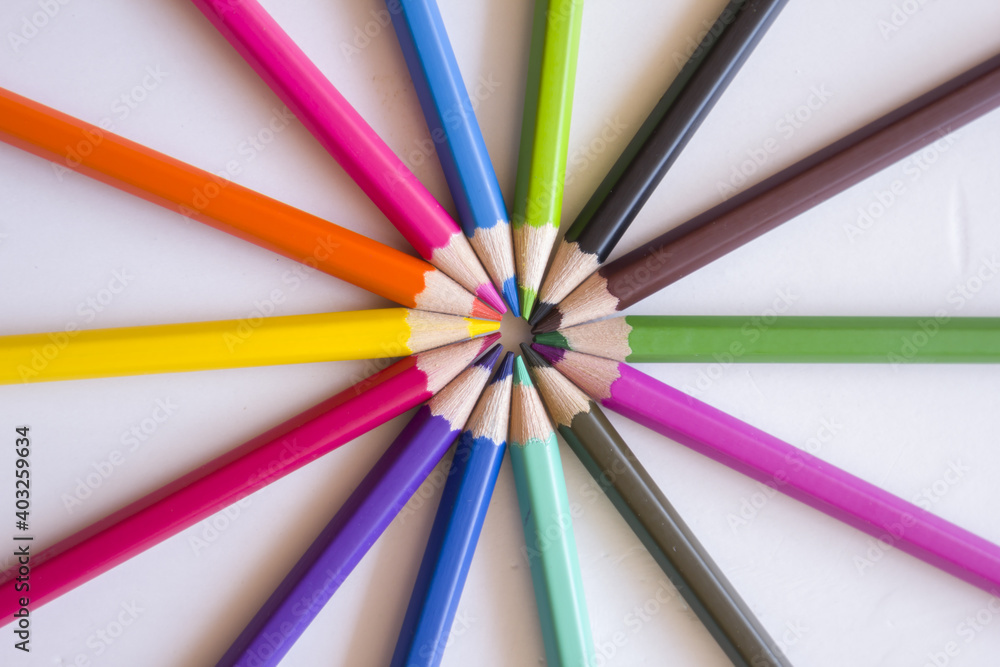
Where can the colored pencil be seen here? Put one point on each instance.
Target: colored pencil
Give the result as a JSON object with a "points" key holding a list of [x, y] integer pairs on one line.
{"points": [[778, 199], [656, 523], [461, 149], [541, 161], [342, 131], [656, 146], [263, 341], [457, 524], [684, 419], [786, 339], [548, 528], [238, 473], [73, 144], [362, 519]]}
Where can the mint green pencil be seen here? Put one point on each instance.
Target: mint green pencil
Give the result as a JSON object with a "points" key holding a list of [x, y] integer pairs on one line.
{"points": [[541, 161], [548, 529], [893, 340]]}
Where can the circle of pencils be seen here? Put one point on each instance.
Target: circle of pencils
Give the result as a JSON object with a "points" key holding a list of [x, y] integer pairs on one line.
{"points": [[447, 333]]}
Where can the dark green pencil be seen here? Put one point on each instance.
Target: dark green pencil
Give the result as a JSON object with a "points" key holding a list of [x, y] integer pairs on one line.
{"points": [[893, 340], [655, 521]]}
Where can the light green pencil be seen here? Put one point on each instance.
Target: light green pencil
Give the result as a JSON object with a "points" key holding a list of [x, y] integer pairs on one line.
{"points": [[548, 529], [541, 162]]}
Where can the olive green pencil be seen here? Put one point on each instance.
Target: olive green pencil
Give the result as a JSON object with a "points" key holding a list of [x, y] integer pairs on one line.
{"points": [[894, 340]]}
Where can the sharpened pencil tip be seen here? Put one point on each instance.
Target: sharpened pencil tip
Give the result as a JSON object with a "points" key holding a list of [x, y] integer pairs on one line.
{"points": [[483, 312], [528, 296], [553, 355], [509, 289], [542, 309], [549, 323], [521, 376], [489, 359], [552, 339], [532, 358], [488, 294], [480, 327], [506, 368]]}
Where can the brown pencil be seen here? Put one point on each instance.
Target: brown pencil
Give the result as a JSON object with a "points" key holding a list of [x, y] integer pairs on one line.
{"points": [[703, 239]]}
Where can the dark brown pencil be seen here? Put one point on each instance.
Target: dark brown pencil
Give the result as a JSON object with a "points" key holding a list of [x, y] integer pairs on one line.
{"points": [[703, 239], [654, 520]]}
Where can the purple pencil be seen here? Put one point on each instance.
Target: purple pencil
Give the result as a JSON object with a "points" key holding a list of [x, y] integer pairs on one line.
{"points": [[796, 473], [360, 521]]}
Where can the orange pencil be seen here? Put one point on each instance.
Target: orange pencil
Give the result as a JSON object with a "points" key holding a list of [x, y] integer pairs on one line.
{"points": [[231, 208]]}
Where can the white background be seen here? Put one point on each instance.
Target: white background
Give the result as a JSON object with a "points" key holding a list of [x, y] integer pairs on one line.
{"points": [[63, 237]]}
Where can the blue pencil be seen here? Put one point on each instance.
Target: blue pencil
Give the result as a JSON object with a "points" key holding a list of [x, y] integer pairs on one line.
{"points": [[456, 529], [459, 141], [360, 521]]}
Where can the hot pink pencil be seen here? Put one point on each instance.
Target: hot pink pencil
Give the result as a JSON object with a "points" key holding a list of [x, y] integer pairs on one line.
{"points": [[238, 473], [351, 141], [802, 476]]}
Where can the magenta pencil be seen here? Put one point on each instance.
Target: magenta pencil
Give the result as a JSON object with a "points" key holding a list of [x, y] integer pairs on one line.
{"points": [[238, 473], [351, 141], [788, 469]]}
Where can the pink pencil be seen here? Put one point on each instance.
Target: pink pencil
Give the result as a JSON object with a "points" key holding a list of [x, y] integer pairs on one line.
{"points": [[351, 141], [238, 473], [767, 459]]}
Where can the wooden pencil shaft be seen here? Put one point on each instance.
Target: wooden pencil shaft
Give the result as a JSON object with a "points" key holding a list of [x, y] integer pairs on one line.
{"points": [[194, 346], [803, 339], [668, 539], [805, 184], [671, 125]]}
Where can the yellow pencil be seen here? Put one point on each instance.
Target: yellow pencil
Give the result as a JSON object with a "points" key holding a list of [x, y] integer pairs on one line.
{"points": [[256, 341]]}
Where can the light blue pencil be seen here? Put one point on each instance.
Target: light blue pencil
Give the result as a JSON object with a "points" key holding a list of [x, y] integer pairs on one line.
{"points": [[456, 529], [459, 141]]}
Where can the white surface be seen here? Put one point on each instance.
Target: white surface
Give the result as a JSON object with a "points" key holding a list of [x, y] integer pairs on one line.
{"points": [[63, 237]]}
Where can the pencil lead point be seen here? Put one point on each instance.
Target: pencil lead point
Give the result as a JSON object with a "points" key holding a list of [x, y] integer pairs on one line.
{"points": [[488, 294], [506, 368], [509, 289], [551, 354], [542, 309], [552, 339], [549, 323], [528, 296]]}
